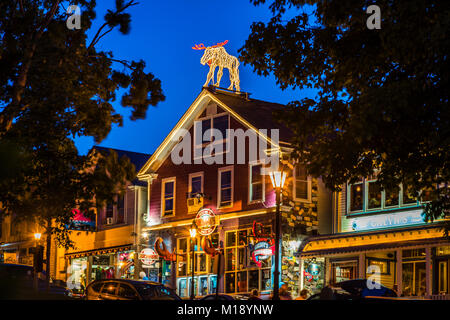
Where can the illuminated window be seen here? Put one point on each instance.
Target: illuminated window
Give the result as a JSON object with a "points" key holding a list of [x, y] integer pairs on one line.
{"points": [[168, 197], [242, 274], [356, 196], [367, 195]]}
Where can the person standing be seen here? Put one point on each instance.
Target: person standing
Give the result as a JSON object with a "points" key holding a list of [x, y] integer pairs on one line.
{"points": [[303, 295]]}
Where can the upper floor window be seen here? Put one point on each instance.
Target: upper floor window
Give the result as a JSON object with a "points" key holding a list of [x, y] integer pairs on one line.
{"points": [[120, 208], [195, 183], [256, 185], [367, 195], [302, 184], [220, 122], [168, 197], [225, 192]]}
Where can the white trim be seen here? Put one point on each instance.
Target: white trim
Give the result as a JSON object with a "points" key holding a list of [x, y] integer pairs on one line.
{"points": [[263, 199], [193, 175], [219, 184], [308, 186], [163, 182], [186, 121]]}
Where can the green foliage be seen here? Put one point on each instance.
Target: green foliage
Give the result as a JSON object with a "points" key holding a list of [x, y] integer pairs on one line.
{"points": [[382, 100], [55, 86]]}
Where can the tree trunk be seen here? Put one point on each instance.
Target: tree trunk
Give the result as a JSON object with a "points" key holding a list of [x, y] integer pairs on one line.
{"points": [[48, 253]]}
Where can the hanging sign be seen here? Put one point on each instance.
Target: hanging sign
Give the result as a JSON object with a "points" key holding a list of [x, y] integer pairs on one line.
{"points": [[205, 220], [148, 256], [262, 251]]}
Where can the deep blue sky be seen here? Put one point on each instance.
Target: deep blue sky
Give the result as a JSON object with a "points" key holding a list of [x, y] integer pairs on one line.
{"points": [[162, 34]]}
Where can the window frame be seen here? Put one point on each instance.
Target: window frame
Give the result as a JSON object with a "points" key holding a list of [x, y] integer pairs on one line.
{"points": [[205, 143], [308, 186], [194, 175], [250, 184], [163, 190], [383, 208], [219, 186]]}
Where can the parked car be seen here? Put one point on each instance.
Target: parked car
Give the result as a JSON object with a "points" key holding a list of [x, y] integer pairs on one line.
{"points": [[17, 282], [124, 289], [353, 290], [219, 297]]}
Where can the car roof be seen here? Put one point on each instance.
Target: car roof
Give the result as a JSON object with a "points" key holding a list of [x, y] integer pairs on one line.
{"points": [[134, 282]]}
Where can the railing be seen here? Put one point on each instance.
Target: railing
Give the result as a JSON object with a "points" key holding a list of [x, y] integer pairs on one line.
{"points": [[431, 297], [440, 297]]}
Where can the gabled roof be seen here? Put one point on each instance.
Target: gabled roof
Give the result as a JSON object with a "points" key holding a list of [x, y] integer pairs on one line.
{"points": [[252, 113], [257, 112], [136, 158]]}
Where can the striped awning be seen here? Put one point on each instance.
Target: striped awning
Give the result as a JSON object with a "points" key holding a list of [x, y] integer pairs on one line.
{"points": [[96, 252]]}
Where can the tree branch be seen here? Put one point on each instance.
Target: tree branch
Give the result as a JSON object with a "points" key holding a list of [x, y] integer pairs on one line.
{"points": [[97, 35]]}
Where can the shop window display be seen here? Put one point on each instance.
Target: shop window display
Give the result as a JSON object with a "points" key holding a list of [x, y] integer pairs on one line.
{"points": [[204, 267], [242, 273], [103, 267], [314, 275]]}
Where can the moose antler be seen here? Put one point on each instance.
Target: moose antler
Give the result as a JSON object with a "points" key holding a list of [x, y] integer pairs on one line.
{"points": [[200, 46], [220, 44]]}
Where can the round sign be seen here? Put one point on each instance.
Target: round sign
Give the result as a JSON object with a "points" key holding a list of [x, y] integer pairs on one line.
{"points": [[205, 221], [148, 256]]}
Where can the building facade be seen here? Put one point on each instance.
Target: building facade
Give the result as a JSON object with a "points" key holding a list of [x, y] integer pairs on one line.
{"points": [[237, 192], [108, 251], [379, 235]]}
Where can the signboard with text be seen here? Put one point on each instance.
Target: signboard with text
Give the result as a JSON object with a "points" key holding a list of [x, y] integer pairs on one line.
{"points": [[382, 221]]}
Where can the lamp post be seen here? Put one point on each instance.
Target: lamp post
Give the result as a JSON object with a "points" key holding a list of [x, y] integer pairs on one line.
{"points": [[37, 237], [277, 178], [193, 233]]}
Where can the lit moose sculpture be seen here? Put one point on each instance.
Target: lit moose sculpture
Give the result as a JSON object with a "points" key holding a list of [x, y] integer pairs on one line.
{"points": [[216, 56]]}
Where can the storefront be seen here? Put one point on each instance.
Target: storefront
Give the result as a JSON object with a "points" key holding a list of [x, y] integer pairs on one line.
{"points": [[246, 262], [413, 262], [107, 263]]}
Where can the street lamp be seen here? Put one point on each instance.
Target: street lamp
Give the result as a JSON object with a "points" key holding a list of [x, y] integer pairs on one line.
{"points": [[193, 233], [277, 178], [37, 237]]}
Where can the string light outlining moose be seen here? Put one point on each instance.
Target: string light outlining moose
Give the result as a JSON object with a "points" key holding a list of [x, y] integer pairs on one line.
{"points": [[217, 56]]}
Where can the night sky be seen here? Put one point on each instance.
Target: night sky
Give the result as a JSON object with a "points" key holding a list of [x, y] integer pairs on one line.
{"points": [[162, 34]]}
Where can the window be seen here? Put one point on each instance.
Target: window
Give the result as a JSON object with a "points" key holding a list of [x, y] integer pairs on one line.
{"points": [[110, 210], [256, 187], [374, 194], [302, 184], [120, 208], [195, 183], [219, 122], [356, 196], [168, 197], [225, 194], [367, 195], [241, 273]]}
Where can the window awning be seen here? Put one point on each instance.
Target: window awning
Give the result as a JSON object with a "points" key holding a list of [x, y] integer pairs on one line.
{"points": [[360, 242], [98, 251]]}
